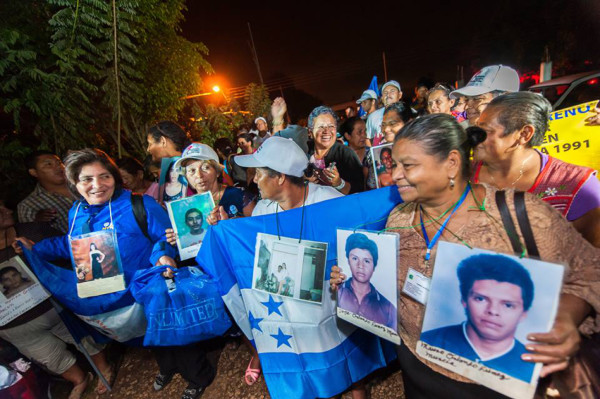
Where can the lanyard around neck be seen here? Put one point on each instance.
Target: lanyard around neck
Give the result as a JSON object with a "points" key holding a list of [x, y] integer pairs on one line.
{"points": [[301, 219], [77, 211], [436, 237]]}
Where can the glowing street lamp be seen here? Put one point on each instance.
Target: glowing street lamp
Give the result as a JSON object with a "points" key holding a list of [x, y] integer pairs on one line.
{"points": [[215, 89]]}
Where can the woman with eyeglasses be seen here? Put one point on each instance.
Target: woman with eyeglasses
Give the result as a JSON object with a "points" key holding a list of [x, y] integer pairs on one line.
{"points": [[333, 164]]}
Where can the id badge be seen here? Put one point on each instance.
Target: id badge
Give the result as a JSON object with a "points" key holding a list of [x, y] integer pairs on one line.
{"points": [[97, 263], [416, 286]]}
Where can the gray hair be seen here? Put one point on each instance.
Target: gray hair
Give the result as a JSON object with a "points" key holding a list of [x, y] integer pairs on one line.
{"points": [[321, 110], [522, 108]]}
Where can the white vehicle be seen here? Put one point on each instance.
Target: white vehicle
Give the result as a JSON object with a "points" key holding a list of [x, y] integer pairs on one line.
{"points": [[570, 90]]}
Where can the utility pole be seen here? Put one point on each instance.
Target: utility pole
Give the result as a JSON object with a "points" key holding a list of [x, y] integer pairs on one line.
{"points": [[255, 55], [384, 68]]}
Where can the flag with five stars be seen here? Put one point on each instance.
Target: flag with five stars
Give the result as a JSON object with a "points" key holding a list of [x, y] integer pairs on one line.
{"points": [[304, 349]]}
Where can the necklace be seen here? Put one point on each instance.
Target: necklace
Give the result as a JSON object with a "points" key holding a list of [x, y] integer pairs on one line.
{"points": [[220, 195], [521, 173]]}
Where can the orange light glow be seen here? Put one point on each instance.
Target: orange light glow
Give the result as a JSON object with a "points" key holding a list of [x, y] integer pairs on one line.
{"points": [[216, 89]]}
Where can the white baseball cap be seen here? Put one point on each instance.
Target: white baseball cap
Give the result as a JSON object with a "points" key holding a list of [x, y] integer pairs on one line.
{"points": [[391, 83], [260, 118], [490, 78], [367, 95], [198, 151], [278, 153]]}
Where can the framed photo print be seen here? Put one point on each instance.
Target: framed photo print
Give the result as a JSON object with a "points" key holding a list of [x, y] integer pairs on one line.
{"points": [[97, 263], [283, 266], [368, 298], [172, 184], [21, 290], [188, 218], [481, 308], [382, 164]]}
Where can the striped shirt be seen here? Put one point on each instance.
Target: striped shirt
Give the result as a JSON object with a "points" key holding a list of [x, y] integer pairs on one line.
{"points": [[40, 199]]}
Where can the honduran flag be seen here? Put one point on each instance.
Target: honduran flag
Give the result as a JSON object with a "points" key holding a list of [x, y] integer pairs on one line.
{"points": [[304, 350], [115, 315]]}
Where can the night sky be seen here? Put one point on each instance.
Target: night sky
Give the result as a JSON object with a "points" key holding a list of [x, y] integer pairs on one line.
{"points": [[331, 50]]}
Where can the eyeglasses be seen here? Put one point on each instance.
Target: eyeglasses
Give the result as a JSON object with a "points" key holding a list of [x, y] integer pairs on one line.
{"points": [[322, 129]]}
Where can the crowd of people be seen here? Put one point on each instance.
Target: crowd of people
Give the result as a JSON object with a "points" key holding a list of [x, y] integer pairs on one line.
{"points": [[445, 145]]}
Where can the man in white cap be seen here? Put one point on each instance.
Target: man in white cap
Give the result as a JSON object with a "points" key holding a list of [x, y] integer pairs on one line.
{"points": [[262, 131], [280, 164], [484, 86], [368, 102], [391, 92]]}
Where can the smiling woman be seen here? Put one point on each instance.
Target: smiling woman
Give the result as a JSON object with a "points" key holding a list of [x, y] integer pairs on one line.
{"points": [[432, 175], [334, 164]]}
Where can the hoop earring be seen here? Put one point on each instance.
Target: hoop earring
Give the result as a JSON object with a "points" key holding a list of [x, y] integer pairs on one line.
{"points": [[452, 182]]}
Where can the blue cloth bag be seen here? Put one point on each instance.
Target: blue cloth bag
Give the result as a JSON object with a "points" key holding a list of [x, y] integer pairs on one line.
{"points": [[182, 310]]}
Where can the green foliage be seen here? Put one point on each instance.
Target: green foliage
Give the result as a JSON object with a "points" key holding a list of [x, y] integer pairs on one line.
{"points": [[58, 78], [257, 100]]}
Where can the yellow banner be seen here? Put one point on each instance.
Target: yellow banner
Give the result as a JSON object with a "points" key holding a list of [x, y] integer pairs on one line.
{"points": [[574, 135]]}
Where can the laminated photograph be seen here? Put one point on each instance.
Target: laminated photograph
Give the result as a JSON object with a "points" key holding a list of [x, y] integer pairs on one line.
{"points": [[172, 184], [368, 297], [97, 264], [21, 290], [481, 308], [283, 266], [382, 164], [188, 218]]}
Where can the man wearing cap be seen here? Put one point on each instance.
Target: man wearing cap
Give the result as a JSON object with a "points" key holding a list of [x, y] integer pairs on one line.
{"points": [[262, 131], [368, 102], [280, 165], [484, 86], [390, 93]]}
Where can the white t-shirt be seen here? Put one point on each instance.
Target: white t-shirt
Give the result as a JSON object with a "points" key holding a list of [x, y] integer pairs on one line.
{"points": [[374, 123], [316, 193]]}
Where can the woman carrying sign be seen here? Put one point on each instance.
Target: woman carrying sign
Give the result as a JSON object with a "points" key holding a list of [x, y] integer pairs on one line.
{"points": [[432, 175]]}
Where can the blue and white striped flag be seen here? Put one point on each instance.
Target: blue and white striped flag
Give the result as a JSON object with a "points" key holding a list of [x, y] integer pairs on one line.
{"points": [[305, 351]]}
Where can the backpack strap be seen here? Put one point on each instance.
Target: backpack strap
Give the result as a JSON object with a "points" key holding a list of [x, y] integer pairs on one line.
{"points": [[507, 220], [139, 212], [524, 224]]}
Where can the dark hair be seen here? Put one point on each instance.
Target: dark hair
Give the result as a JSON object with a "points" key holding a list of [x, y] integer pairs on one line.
{"points": [[192, 210], [348, 126], [148, 162], [361, 241], [494, 267], [387, 150], [76, 160], [130, 165], [94, 244], [31, 159], [440, 87], [12, 269], [403, 111], [224, 146], [249, 137], [518, 109], [171, 131], [295, 180], [439, 134]]}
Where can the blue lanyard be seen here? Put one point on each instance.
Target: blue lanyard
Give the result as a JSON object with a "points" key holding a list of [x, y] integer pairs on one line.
{"points": [[431, 244]]}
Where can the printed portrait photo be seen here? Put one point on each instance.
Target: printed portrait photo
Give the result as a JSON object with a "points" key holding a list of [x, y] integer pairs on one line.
{"points": [[368, 297], [21, 290], [188, 218], [172, 184], [481, 307], [97, 263], [382, 164], [288, 268]]}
